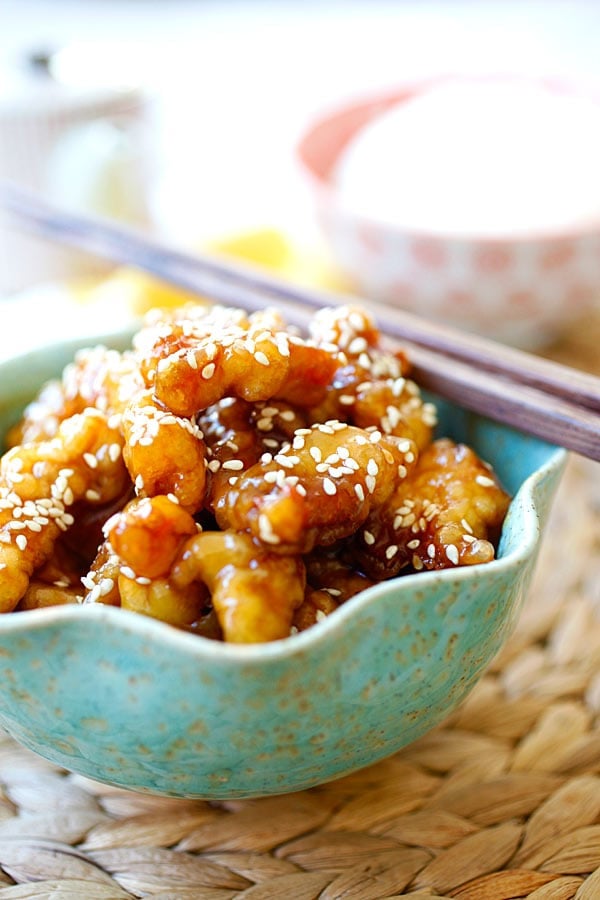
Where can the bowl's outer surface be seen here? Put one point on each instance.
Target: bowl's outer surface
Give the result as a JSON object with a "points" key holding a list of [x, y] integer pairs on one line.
{"points": [[131, 701]]}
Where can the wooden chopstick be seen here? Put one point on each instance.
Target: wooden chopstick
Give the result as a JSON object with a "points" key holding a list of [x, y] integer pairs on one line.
{"points": [[546, 399]]}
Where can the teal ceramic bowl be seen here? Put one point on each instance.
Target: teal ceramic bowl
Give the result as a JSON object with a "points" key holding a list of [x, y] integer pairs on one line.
{"points": [[131, 701]]}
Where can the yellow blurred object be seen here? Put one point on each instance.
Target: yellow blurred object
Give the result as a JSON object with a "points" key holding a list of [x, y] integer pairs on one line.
{"points": [[265, 248]]}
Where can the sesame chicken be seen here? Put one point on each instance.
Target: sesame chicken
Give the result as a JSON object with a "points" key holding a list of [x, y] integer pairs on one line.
{"points": [[316, 490], [448, 512], [235, 479], [40, 481], [254, 592]]}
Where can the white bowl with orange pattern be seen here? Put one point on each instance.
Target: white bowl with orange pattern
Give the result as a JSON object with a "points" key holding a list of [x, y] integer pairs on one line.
{"points": [[498, 234]]}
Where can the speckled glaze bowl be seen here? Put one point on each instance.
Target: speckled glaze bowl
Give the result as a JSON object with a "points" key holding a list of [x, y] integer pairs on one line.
{"points": [[130, 701]]}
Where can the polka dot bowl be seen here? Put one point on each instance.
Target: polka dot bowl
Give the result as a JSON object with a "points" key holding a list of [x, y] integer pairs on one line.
{"points": [[522, 288], [131, 701]]}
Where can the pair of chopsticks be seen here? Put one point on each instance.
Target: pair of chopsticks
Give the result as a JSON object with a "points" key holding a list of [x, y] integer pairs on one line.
{"points": [[548, 400]]}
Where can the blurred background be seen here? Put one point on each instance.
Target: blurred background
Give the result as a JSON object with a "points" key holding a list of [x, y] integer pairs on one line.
{"points": [[215, 94]]}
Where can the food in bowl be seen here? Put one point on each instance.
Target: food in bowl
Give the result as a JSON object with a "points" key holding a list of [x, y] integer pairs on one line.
{"points": [[234, 479]]}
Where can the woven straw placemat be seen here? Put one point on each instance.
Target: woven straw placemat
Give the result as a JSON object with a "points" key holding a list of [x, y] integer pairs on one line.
{"points": [[502, 801]]}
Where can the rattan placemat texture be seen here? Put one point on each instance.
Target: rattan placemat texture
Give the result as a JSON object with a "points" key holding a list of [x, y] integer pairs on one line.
{"points": [[502, 801]]}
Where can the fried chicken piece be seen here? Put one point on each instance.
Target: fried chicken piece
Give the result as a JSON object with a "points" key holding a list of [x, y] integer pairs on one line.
{"points": [[238, 433], [371, 387], [40, 595], [132, 566], [328, 570], [164, 453], [448, 512], [40, 481], [316, 606], [254, 592], [100, 378], [316, 490], [196, 359], [102, 581], [148, 533]]}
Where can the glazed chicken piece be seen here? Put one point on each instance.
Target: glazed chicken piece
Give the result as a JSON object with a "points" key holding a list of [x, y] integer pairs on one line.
{"points": [[40, 481], [254, 592], [316, 490], [448, 512], [133, 565], [193, 361], [371, 387], [100, 378], [164, 453], [237, 434]]}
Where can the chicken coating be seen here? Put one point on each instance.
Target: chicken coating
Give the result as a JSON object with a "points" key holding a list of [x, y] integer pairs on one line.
{"points": [[238, 433], [316, 490], [100, 378], [193, 362], [131, 567], [40, 481], [448, 512], [254, 592], [371, 387], [164, 453], [148, 533]]}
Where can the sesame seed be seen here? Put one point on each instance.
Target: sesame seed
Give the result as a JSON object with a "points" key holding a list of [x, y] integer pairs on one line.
{"points": [[484, 481], [106, 586], [214, 465], [128, 572], [372, 467], [412, 545], [90, 460], [431, 551], [173, 498], [208, 371], [391, 551], [21, 542], [417, 563], [316, 454], [33, 525], [358, 490], [233, 464], [369, 537], [265, 529], [114, 452], [191, 359], [262, 358], [452, 554], [329, 487], [370, 483], [466, 526], [141, 579]]}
